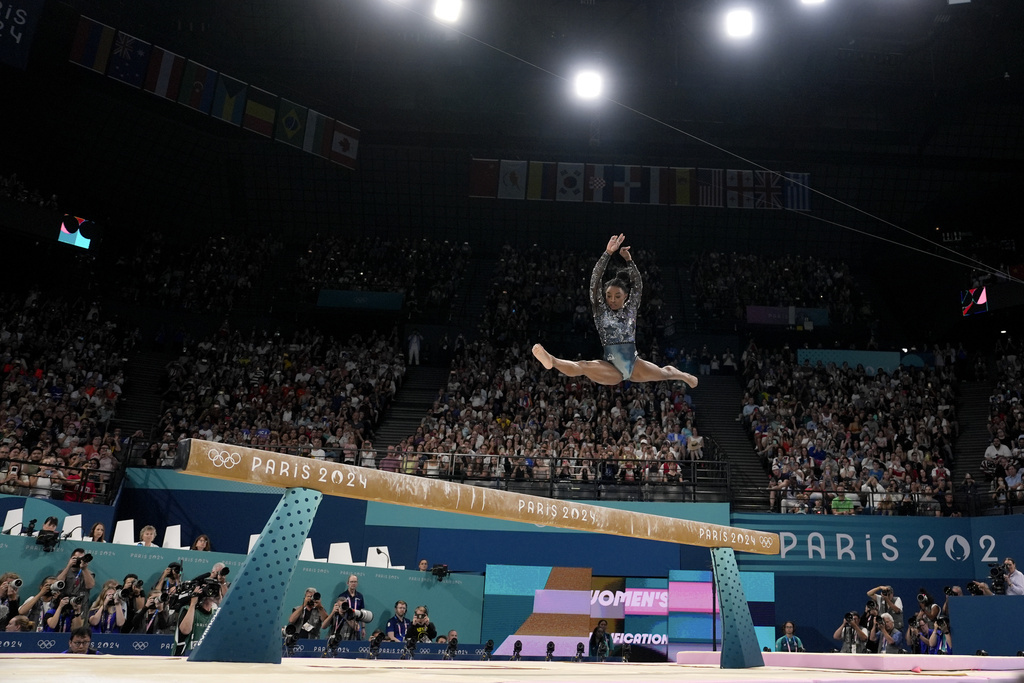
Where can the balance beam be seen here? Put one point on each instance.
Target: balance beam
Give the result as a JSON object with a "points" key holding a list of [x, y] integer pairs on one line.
{"points": [[255, 466]]}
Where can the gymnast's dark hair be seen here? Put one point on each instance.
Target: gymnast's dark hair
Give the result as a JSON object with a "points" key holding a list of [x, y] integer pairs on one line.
{"points": [[621, 280]]}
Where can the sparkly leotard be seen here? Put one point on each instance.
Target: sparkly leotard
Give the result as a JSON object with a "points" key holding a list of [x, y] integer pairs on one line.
{"points": [[617, 329]]}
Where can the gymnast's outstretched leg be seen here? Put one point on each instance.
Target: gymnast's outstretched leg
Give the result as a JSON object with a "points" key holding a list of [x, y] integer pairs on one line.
{"points": [[646, 371], [600, 371]]}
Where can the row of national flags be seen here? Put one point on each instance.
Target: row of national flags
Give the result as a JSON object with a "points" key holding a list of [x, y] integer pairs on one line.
{"points": [[162, 73], [617, 184]]}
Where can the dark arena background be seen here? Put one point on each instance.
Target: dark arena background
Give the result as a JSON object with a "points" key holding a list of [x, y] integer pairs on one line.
{"points": [[335, 229]]}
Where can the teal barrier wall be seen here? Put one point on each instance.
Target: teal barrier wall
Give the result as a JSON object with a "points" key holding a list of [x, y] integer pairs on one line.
{"points": [[456, 602]]}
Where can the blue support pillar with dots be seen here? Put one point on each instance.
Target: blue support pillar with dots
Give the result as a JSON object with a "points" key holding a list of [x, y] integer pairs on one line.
{"points": [[740, 649], [246, 628]]}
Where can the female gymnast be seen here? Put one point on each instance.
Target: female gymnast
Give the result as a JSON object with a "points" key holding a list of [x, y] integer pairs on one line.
{"points": [[615, 310]]}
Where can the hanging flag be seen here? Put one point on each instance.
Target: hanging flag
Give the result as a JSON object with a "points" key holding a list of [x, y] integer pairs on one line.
{"points": [[129, 61], [512, 179], [570, 183], [260, 111], [767, 190], [598, 182], [685, 190], [483, 178], [163, 78], [92, 44], [543, 180], [628, 184], [198, 85], [229, 100], [319, 131], [739, 189], [659, 185], [291, 123], [345, 145], [797, 192], [709, 187]]}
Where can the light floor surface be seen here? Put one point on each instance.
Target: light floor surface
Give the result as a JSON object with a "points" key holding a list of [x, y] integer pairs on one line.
{"points": [[113, 668]]}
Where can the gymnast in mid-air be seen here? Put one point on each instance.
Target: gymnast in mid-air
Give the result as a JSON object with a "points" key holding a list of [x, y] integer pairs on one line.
{"points": [[615, 305]]}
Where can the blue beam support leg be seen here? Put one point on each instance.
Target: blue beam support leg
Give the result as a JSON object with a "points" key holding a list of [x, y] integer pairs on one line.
{"points": [[246, 628], [739, 642]]}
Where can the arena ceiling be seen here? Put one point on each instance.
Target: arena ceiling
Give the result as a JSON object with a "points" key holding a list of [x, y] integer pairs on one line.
{"points": [[871, 69]]}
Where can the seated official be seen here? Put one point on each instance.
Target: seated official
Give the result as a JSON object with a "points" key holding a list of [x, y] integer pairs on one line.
{"points": [[420, 629], [397, 625], [80, 642], [789, 642]]}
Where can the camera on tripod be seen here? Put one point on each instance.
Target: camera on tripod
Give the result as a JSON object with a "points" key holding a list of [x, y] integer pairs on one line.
{"points": [[440, 571]]}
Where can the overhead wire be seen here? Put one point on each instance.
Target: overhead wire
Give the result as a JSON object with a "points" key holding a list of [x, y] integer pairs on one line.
{"points": [[961, 260]]}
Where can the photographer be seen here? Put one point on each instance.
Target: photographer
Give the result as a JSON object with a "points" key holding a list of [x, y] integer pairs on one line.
{"points": [[888, 638], [77, 578], [887, 602], [154, 617], [309, 617], [421, 630], [928, 609], [349, 614], [940, 639], [869, 622], [133, 597], [10, 602], [65, 615], [850, 632], [35, 606], [193, 620], [106, 615], [170, 578], [1006, 580]]}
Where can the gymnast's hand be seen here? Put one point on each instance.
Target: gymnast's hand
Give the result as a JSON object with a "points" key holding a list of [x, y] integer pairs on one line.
{"points": [[624, 252], [614, 242]]}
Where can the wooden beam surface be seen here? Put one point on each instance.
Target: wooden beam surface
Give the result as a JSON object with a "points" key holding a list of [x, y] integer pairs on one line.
{"points": [[254, 466]]}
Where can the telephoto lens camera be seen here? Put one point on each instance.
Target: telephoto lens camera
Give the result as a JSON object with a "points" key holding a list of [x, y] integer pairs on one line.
{"points": [[440, 571], [127, 593], [364, 616], [312, 602], [974, 589], [48, 539], [998, 573], [375, 645], [849, 616], [77, 562], [291, 638], [948, 590], [16, 583]]}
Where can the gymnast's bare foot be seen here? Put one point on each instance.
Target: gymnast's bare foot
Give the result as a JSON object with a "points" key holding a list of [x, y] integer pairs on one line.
{"points": [[676, 373], [690, 380], [543, 356]]}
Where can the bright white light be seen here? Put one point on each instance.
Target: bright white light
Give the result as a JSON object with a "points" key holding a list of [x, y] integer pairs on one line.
{"points": [[812, 2], [589, 85], [739, 23], [448, 10]]}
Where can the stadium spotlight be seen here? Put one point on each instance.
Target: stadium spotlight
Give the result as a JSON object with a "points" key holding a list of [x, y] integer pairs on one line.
{"points": [[448, 10], [589, 85], [739, 23], [813, 2]]}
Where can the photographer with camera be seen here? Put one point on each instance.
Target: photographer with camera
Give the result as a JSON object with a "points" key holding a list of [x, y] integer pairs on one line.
{"points": [[888, 638], [349, 614], [193, 619], [106, 615], [10, 602], [154, 617], [869, 621], [309, 617], [35, 606], [65, 614], [77, 578], [940, 640], [170, 578], [888, 603], [420, 629], [1006, 580], [928, 609], [850, 632]]}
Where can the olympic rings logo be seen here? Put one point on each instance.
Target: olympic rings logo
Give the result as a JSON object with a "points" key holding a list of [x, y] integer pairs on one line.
{"points": [[224, 459], [140, 645], [46, 644]]}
